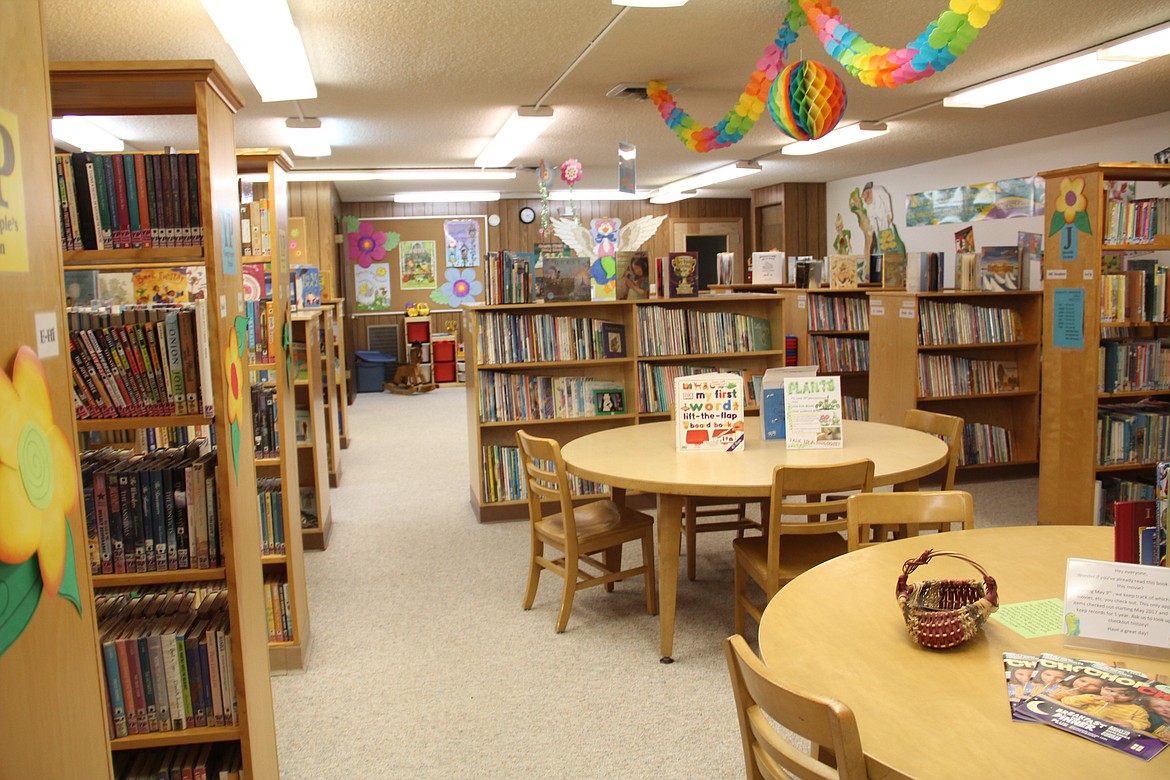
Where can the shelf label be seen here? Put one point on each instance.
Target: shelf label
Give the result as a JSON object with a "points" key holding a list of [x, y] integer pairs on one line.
{"points": [[906, 314], [13, 235], [877, 310], [801, 300], [1087, 274], [1058, 274], [46, 326], [1068, 317]]}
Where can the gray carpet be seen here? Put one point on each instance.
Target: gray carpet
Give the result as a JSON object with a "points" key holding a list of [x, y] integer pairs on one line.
{"points": [[424, 665]]}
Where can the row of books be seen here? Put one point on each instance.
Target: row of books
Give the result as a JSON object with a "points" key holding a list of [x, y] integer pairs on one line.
{"points": [[1136, 221], [984, 444], [1133, 433], [838, 355], [667, 331], [133, 361], [120, 201], [507, 397], [205, 761], [255, 236], [156, 511], [508, 277], [855, 407], [837, 312], [265, 421], [526, 338], [278, 609], [1134, 365], [167, 660], [656, 384], [147, 439], [951, 375], [503, 476], [270, 504], [955, 322], [1135, 295], [1136, 531], [261, 332]]}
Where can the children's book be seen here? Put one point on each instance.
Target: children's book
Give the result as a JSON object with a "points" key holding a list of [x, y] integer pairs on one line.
{"points": [[682, 275], [563, 277], [772, 397], [894, 270], [812, 413], [709, 412], [768, 268], [967, 271], [845, 271], [1129, 519], [999, 268], [253, 279], [1031, 252]]}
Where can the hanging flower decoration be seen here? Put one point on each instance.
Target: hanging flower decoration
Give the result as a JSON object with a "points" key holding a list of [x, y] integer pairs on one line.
{"points": [[460, 287], [571, 171], [1070, 207], [233, 366], [940, 44], [368, 245], [543, 177], [38, 489]]}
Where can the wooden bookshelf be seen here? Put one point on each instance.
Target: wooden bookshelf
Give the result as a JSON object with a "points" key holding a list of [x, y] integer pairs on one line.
{"points": [[642, 373], [333, 387], [291, 654], [339, 350], [931, 373], [313, 466], [1073, 265], [838, 342], [198, 89]]}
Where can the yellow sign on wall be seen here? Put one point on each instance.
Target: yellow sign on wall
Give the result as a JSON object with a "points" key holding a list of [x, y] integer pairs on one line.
{"points": [[13, 229]]}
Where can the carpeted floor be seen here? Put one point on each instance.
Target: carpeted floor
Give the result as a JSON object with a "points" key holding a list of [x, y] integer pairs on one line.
{"points": [[424, 665]]}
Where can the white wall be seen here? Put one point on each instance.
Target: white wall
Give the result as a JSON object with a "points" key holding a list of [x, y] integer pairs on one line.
{"points": [[1133, 141]]}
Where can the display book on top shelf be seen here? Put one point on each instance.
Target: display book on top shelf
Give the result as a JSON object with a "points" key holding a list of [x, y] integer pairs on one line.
{"points": [[160, 605], [311, 433], [264, 175], [974, 355], [565, 370], [1092, 443]]}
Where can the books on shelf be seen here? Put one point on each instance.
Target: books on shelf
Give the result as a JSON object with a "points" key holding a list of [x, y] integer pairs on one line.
{"points": [[924, 271], [505, 396], [709, 412], [1129, 518], [812, 413], [670, 331], [772, 392]]}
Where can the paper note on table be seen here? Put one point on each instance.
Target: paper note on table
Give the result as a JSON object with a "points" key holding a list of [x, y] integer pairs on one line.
{"points": [[1031, 619]]}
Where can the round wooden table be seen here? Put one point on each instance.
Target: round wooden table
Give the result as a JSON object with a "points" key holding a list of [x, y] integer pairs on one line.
{"points": [[645, 458], [837, 630]]}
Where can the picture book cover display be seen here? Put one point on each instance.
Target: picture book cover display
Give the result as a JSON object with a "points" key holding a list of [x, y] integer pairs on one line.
{"points": [[709, 412], [999, 268], [767, 268], [633, 276], [561, 276], [772, 395], [812, 413], [306, 286], [682, 275], [846, 271]]}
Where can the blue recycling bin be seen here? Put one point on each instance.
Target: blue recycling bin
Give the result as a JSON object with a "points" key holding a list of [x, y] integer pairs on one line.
{"points": [[372, 367]]}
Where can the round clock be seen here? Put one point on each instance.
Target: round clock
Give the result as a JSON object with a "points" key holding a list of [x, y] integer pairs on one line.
{"points": [[527, 215], [493, 219]]}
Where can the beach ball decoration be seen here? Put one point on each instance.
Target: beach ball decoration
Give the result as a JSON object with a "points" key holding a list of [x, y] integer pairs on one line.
{"points": [[806, 100]]}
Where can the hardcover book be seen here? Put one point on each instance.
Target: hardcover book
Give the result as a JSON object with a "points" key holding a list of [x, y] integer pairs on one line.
{"points": [[682, 270], [767, 268], [845, 271], [709, 412], [563, 277], [812, 413], [772, 392], [999, 268]]}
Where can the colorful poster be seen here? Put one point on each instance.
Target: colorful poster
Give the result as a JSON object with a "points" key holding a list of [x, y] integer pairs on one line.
{"points": [[1002, 199], [372, 287], [462, 243], [417, 265]]}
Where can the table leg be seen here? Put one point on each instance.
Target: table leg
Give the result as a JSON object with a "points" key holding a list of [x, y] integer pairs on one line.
{"points": [[669, 538]]}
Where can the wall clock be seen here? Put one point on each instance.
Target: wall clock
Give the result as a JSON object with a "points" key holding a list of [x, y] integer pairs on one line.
{"points": [[527, 215]]}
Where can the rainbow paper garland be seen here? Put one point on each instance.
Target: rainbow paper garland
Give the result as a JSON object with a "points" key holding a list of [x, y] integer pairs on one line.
{"points": [[940, 44]]}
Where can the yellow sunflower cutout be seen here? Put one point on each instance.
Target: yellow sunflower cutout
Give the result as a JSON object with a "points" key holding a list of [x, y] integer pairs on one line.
{"points": [[1069, 208]]}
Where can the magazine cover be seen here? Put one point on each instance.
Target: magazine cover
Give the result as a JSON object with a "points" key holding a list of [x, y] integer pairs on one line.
{"points": [[709, 412], [1017, 670]]}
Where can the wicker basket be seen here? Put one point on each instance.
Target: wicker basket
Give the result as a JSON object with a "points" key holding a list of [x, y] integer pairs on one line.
{"points": [[945, 613]]}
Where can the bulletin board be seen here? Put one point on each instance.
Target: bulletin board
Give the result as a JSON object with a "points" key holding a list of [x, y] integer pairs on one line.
{"points": [[393, 262]]}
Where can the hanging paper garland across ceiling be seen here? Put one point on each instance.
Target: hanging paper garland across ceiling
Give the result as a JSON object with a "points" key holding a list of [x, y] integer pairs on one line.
{"points": [[931, 52]]}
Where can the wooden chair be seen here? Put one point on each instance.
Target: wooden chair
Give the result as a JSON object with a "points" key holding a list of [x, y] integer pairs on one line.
{"points": [[829, 725], [790, 547], [933, 509], [695, 508], [947, 427], [578, 532]]}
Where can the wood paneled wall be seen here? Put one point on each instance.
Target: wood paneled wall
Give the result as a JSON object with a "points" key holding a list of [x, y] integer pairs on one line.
{"points": [[802, 216]]}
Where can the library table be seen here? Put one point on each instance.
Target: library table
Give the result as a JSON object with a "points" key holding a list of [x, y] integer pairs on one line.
{"points": [[837, 630], [645, 458]]}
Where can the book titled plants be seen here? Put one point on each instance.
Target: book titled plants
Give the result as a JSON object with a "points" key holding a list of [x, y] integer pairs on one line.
{"points": [[812, 413]]}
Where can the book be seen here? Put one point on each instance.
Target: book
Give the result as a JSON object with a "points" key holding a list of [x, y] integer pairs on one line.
{"points": [[633, 276], [709, 412], [1030, 248], [563, 277], [812, 413], [304, 426], [768, 268], [845, 271], [967, 271], [1129, 518], [1007, 376], [682, 271], [999, 268], [894, 270], [305, 286], [772, 397], [1162, 509], [613, 339], [924, 271], [724, 267]]}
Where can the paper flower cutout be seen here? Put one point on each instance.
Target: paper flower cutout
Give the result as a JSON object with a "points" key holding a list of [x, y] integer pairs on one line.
{"points": [[461, 287], [233, 366], [571, 171], [1070, 206], [367, 245]]}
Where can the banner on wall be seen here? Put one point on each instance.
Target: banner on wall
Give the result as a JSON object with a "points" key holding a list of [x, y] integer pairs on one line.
{"points": [[1002, 199]]}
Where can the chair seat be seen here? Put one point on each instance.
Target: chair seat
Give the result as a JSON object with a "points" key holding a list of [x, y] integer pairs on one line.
{"points": [[799, 554], [598, 523]]}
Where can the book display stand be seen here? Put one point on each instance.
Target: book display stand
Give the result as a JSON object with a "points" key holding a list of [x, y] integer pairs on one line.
{"points": [[312, 437]]}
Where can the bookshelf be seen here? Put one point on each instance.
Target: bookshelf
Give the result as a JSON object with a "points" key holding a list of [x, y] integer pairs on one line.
{"points": [[331, 391], [954, 344], [283, 561], [536, 366], [338, 346], [1074, 334], [199, 90], [312, 437], [838, 343]]}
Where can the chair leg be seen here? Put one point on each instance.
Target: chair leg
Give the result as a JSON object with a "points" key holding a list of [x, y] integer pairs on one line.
{"points": [[613, 562], [569, 592], [534, 569], [740, 595], [690, 521], [648, 559]]}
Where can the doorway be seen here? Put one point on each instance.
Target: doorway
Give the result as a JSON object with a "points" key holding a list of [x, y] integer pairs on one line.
{"points": [[709, 238]]}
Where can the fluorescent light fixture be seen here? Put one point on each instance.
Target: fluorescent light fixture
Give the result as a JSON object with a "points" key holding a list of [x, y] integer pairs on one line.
{"points": [[842, 136], [597, 195], [445, 197], [85, 135], [267, 44], [522, 128], [1058, 73], [307, 138], [1146, 45], [651, 3], [673, 197], [404, 174], [730, 172]]}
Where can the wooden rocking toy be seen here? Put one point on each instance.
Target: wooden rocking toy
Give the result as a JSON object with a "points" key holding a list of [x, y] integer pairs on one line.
{"points": [[409, 378]]}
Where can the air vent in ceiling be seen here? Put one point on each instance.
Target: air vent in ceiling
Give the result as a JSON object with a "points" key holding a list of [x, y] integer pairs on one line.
{"points": [[628, 92]]}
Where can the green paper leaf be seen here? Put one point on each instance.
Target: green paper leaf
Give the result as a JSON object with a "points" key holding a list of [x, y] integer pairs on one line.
{"points": [[1082, 223], [351, 224], [438, 297], [20, 592], [68, 589], [1056, 224], [391, 241], [236, 449]]}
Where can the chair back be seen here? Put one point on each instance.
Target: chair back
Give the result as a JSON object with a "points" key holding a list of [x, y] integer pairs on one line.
{"points": [[947, 427], [911, 510], [546, 478], [812, 483], [826, 723]]}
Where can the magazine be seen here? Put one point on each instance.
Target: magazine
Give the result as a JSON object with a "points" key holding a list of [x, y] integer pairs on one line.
{"points": [[1018, 672]]}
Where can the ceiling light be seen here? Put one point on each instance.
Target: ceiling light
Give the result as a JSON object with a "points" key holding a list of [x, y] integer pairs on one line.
{"points": [[307, 138], [672, 197], [842, 136], [267, 44], [522, 128], [726, 173], [445, 197], [651, 3], [1147, 45], [1057, 73], [597, 195], [404, 174], [79, 132]]}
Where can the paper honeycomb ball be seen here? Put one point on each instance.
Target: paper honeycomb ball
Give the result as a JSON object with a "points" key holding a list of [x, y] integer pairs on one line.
{"points": [[807, 100]]}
